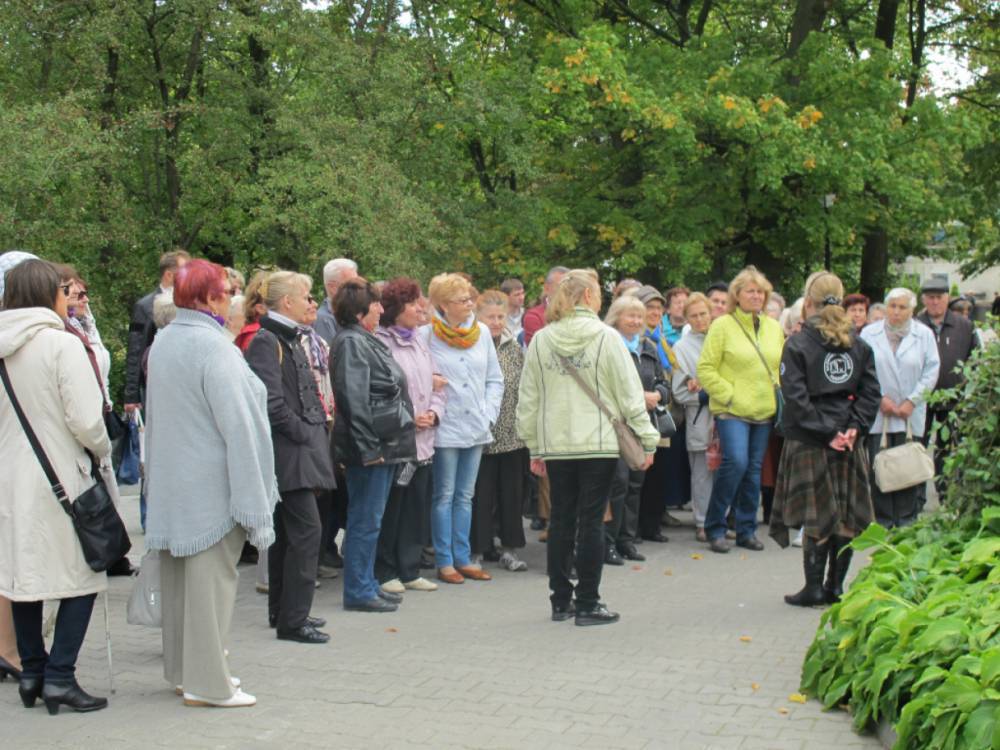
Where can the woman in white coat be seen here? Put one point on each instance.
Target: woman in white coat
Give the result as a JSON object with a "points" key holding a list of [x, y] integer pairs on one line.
{"points": [[907, 363], [40, 555]]}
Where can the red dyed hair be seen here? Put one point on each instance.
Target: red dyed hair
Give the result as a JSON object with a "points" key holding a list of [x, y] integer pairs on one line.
{"points": [[198, 281]]}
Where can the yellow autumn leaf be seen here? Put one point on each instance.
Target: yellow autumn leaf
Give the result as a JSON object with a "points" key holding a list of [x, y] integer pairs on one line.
{"points": [[590, 80], [729, 103], [668, 572], [553, 233], [439, 126], [696, 556], [797, 698], [809, 163], [628, 134], [755, 686], [783, 711], [746, 638]]}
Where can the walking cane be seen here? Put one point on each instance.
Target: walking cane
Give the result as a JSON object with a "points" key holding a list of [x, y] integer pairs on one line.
{"points": [[107, 640]]}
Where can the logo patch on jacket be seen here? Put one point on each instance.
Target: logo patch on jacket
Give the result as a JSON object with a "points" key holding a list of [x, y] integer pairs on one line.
{"points": [[838, 368]]}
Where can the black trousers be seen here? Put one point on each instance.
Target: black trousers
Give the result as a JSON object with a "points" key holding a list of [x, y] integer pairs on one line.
{"points": [[899, 508], [676, 470], [405, 524], [501, 488], [652, 497], [625, 496], [59, 665], [579, 492], [292, 559]]}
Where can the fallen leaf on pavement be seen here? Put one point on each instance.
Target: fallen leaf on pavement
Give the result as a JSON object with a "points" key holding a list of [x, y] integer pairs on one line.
{"points": [[746, 638], [391, 630], [696, 556], [797, 698], [668, 572], [783, 711], [636, 567], [755, 686]]}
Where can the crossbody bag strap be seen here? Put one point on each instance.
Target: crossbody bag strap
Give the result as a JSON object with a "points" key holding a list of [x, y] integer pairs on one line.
{"points": [[759, 352], [585, 387], [50, 473]]}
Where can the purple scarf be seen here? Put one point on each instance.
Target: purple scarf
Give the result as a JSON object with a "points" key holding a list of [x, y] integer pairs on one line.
{"points": [[404, 333]]}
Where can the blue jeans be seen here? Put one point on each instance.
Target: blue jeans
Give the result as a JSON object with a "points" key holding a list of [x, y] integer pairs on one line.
{"points": [[367, 489], [737, 482], [455, 472]]}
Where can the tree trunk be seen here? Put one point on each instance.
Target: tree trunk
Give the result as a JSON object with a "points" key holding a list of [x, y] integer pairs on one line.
{"points": [[809, 17]]}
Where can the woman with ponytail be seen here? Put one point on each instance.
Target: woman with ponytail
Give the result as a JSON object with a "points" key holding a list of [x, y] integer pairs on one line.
{"points": [[832, 394]]}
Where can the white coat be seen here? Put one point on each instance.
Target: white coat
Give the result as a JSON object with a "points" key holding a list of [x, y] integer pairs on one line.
{"points": [[909, 373], [40, 555]]}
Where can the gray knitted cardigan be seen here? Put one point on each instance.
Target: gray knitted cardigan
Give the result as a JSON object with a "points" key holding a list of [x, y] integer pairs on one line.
{"points": [[209, 461]]}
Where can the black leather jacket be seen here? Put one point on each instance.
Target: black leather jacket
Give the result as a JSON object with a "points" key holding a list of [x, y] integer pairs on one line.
{"points": [[827, 389], [140, 337], [302, 457], [364, 373]]}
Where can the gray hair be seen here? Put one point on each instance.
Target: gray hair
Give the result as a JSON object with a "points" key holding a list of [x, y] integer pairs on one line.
{"points": [[164, 309], [555, 271], [791, 316], [236, 304], [625, 303], [902, 291], [335, 267]]}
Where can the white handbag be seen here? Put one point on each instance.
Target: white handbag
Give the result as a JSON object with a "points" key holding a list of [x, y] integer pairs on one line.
{"points": [[904, 466], [144, 605]]}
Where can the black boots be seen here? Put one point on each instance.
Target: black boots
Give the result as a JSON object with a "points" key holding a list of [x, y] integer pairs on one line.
{"points": [[70, 695], [840, 562], [814, 557]]}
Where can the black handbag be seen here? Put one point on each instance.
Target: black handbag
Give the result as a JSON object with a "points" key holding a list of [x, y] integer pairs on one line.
{"points": [[98, 526], [114, 424]]}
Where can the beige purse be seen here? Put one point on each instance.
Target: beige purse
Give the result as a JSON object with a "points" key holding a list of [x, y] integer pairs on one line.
{"points": [[904, 466], [629, 445]]}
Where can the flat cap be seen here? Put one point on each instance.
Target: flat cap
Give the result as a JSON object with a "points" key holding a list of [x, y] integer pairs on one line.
{"points": [[647, 294], [935, 286]]}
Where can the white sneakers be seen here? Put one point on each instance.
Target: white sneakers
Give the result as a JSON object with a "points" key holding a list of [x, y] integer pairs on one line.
{"points": [[420, 584], [239, 699], [510, 561], [393, 587], [235, 681]]}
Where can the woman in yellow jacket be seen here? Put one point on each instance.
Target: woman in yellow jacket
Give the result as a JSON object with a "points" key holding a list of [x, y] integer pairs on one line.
{"points": [[739, 370]]}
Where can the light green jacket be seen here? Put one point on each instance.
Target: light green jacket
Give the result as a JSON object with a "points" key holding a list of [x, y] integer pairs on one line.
{"points": [[730, 368], [555, 418]]}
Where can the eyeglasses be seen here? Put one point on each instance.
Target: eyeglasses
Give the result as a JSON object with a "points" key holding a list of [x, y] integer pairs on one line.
{"points": [[462, 301]]}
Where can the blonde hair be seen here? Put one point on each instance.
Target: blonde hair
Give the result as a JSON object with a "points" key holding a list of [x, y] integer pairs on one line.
{"points": [[625, 303], [446, 287], [252, 296], [749, 275], [570, 292], [825, 292], [492, 297], [697, 298], [281, 284]]}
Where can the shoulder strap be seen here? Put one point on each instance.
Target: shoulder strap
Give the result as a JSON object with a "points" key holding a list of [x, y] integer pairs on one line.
{"points": [[759, 352], [585, 387], [50, 473]]}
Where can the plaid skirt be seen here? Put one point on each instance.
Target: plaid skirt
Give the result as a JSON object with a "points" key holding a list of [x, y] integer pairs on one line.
{"points": [[823, 490]]}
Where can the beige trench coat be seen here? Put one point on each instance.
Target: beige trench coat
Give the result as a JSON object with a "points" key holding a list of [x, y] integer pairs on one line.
{"points": [[40, 555]]}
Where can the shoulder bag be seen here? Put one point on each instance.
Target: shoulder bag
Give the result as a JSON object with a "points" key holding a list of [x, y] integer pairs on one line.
{"points": [[98, 526], [779, 398], [904, 466], [629, 445]]}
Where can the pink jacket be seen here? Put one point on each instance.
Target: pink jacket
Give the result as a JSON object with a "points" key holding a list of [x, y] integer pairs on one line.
{"points": [[414, 357]]}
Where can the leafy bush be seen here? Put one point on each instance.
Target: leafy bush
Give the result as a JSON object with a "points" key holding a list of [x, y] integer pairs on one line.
{"points": [[971, 467], [916, 640]]}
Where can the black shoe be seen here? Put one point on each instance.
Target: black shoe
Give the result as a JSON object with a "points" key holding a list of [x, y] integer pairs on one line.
{"points": [[121, 568], [390, 597], [562, 612], [372, 605], [249, 555], [537, 524], [310, 622], [719, 544], [7, 670], [71, 695], [599, 615], [427, 561], [813, 564], [750, 542], [629, 552], [656, 536], [305, 634], [611, 556], [30, 690], [492, 555]]}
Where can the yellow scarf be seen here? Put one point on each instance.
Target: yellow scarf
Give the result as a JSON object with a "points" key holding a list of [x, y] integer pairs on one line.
{"points": [[460, 338]]}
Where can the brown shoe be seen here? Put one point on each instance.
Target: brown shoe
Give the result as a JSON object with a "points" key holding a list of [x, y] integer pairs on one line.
{"points": [[476, 574], [700, 535], [452, 577], [544, 536]]}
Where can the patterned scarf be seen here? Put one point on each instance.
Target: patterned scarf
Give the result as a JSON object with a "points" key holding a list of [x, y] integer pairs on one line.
{"points": [[667, 359], [460, 338], [316, 348]]}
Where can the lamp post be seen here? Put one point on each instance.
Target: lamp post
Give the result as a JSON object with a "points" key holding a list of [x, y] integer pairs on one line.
{"points": [[828, 200]]}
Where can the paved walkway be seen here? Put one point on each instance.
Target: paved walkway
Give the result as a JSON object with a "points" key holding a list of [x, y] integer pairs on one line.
{"points": [[705, 656]]}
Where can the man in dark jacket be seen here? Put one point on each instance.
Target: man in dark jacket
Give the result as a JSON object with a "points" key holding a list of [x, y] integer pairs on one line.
{"points": [[956, 340], [141, 331]]}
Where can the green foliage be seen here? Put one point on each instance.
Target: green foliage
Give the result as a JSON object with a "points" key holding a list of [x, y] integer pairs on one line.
{"points": [[916, 640], [971, 465]]}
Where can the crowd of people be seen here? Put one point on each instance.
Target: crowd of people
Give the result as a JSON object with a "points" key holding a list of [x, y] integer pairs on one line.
{"points": [[420, 427]]}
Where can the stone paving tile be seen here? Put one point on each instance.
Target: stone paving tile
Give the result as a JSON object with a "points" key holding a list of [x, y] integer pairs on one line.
{"points": [[482, 666]]}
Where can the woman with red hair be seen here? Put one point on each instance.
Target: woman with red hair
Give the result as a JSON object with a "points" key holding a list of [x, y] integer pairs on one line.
{"points": [[210, 470]]}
